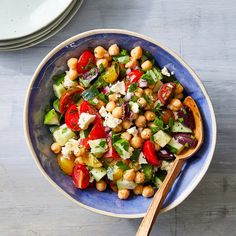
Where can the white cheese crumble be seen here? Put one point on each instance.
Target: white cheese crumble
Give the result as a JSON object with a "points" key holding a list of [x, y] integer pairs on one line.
{"points": [[128, 96], [103, 111], [142, 159], [133, 131], [165, 165], [85, 120], [72, 146], [134, 107], [68, 83], [110, 121], [119, 87], [125, 154], [165, 71]]}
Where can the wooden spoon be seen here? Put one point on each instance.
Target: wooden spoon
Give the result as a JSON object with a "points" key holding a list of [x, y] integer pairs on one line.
{"points": [[158, 199]]}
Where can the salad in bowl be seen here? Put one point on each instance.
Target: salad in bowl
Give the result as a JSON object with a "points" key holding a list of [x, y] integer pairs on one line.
{"points": [[118, 120]]}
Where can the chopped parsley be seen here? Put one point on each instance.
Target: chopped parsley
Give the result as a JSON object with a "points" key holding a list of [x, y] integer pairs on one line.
{"points": [[133, 87], [122, 165]]}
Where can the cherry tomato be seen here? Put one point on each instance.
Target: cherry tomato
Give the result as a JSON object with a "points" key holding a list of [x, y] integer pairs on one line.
{"points": [[72, 118], [85, 62], [166, 115], [86, 107], [112, 152], [66, 163], [134, 77], [80, 176], [165, 92], [150, 153], [69, 98]]}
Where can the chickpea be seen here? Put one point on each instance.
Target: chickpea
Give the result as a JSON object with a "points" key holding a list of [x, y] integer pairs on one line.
{"points": [[102, 61], [79, 160], [147, 65], [132, 63], [110, 106], [134, 116], [148, 107], [146, 133], [149, 115], [148, 191], [126, 124], [140, 121], [175, 104], [138, 190], [56, 148], [107, 56], [129, 175], [126, 136], [113, 97], [148, 91], [72, 74], [118, 128], [136, 52], [100, 104], [72, 63], [114, 50], [99, 52], [178, 89], [117, 112], [157, 147], [179, 96], [139, 178], [136, 142], [134, 165], [166, 115], [142, 102], [123, 194], [101, 185], [138, 92], [151, 86]]}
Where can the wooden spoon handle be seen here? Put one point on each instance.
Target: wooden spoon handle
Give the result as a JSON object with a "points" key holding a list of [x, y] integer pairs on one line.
{"points": [[158, 199]]}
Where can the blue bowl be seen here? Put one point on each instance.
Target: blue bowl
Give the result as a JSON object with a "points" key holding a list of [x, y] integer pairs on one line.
{"points": [[39, 139]]}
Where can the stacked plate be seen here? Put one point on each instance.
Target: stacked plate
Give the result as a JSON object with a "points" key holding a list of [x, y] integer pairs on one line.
{"points": [[28, 22]]}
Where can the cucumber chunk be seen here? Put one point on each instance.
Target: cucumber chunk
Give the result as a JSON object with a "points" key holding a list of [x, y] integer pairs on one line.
{"points": [[56, 105], [180, 128], [62, 134], [51, 118], [174, 146], [125, 184], [98, 173], [59, 90], [162, 138]]}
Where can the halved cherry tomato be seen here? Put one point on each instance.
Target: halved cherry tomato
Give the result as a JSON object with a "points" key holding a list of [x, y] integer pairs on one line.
{"points": [[133, 77], [150, 153], [80, 176], [66, 163], [165, 92], [86, 107], [85, 62], [69, 98], [112, 152], [72, 118]]}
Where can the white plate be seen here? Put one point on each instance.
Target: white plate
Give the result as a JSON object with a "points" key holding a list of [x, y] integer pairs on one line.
{"points": [[31, 37], [21, 18], [47, 35]]}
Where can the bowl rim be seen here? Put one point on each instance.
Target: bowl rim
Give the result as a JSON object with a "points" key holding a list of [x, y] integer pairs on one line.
{"points": [[195, 182]]}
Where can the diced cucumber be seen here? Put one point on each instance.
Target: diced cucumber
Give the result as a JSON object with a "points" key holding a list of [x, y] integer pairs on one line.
{"points": [[98, 173], [174, 146], [92, 161], [147, 170], [159, 178], [56, 105], [125, 184], [114, 173], [59, 90], [180, 128], [162, 138], [63, 134], [98, 146], [84, 133], [51, 118], [158, 182]]}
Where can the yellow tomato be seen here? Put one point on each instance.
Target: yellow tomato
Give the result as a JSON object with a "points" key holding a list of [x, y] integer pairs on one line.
{"points": [[111, 74], [66, 163]]}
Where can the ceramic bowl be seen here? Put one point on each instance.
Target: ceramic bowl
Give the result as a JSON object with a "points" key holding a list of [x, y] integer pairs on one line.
{"points": [[39, 139]]}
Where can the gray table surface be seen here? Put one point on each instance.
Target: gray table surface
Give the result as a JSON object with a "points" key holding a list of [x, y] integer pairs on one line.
{"points": [[203, 33]]}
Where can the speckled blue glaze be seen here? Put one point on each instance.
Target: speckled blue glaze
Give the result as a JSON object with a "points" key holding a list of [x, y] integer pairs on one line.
{"points": [[41, 93]]}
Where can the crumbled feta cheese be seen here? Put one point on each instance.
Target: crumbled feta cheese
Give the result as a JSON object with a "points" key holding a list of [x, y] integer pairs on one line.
{"points": [[85, 120], [125, 154], [165, 165], [110, 121], [128, 96], [142, 159], [165, 71], [72, 146], [103, 111], [134, 107], [133, 131], [119, 87], [68, 83]]}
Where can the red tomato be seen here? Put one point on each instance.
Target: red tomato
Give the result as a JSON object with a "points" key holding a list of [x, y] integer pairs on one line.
{"points": [[165, 92], [86, 107], [134, 77], [80, 176], [112, 152], [85, 62], [69, 98], [150, 153], [72, 118]]}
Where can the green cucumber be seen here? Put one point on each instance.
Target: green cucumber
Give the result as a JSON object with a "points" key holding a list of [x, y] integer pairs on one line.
{"points": [[161, 138], [98, 173], [59, 90], [51, 118], [56, 105], [174, 146], [180, 128], [125, 184], [62, 134]]}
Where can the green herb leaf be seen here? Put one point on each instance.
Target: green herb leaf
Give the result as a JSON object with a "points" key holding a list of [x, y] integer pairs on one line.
{"points": [[121, 59], [158, 122], [101, 68], [115, 137], [58, 79], [171, 123], [122, 165], [135, 155], [100, 83], [103, 97], [133, 87]]}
